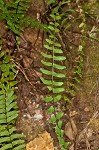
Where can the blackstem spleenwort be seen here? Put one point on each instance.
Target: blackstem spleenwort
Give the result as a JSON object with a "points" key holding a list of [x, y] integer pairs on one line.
{"points": [[52, 67]]}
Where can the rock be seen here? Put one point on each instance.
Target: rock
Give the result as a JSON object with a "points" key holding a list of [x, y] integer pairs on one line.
{"points": [[43, 142], [37, 117]]}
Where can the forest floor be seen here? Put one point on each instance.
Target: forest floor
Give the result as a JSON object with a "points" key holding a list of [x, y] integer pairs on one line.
{"points": [[82, 118]]}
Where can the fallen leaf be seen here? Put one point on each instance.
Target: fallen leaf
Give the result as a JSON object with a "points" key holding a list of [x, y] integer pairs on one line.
{"points": [[27, 62], [74, 128], [69, 131], [43, 142]]}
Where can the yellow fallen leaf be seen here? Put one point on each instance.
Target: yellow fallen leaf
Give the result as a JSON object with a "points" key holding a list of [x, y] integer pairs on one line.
{"points": [[42, 142]]}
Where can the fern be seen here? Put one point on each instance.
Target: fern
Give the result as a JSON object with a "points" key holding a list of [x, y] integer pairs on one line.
{"points": [[9, 139], [52, 68], [14, 12]]}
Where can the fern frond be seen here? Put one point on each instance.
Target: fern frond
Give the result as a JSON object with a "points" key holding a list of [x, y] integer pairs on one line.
{"points": [[9, 139], [52, 69]]}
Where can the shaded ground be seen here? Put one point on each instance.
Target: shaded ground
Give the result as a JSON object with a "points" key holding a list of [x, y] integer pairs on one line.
{"points": [[33, 118]]}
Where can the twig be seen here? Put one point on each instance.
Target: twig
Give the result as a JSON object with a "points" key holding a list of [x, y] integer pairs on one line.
{"points": [[22, 70]]}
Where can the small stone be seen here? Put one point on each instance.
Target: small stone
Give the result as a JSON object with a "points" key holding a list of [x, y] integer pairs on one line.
{"points": [[86, 109], [37, 117]]}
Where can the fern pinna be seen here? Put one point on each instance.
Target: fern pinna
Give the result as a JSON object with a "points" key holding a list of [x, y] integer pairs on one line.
{"points": [[9, 139], [53, 75]]}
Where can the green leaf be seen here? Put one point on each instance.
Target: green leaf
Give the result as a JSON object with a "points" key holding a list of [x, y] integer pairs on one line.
{"points": [[3, 116], [7, 59], [13, 83], [59, 75], [16, 136], [59, 124], [57, 98], [59, 66], [1, 54], [7, 146], [46, 55], [11, 130], [50, 88], [57, 83], [57, 44], [4, 133], [53, 16], [53, 119], [57, 30], [46, 63], [59, 58], [2, 121], [61, 141], [20, 147], [80, 48], [12, 115], [51, 109], [67, 99], [10, 99], [51, 2], [50, 41], [52, 36], [2, 110], [48, 99], [54, 24], [56, 50], [58, 90], [17, 142], [9, 93], [66, 144], [9, 107], [62, 133], [4, 139], [48, 82], [51, 28], [57, 130], [48, 47], [59, 115], [81, 25], [58, 17], [47, 72], [76, 79]]}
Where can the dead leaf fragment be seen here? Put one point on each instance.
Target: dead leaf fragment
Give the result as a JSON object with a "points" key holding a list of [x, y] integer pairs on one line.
{"points": [[43, 142], [74, 128], [71, 130], [27, 62]]}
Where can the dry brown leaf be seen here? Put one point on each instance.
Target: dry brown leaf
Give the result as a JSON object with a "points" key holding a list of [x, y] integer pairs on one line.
{"points": [[43, 142], [71, 130], [74, 128]]}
